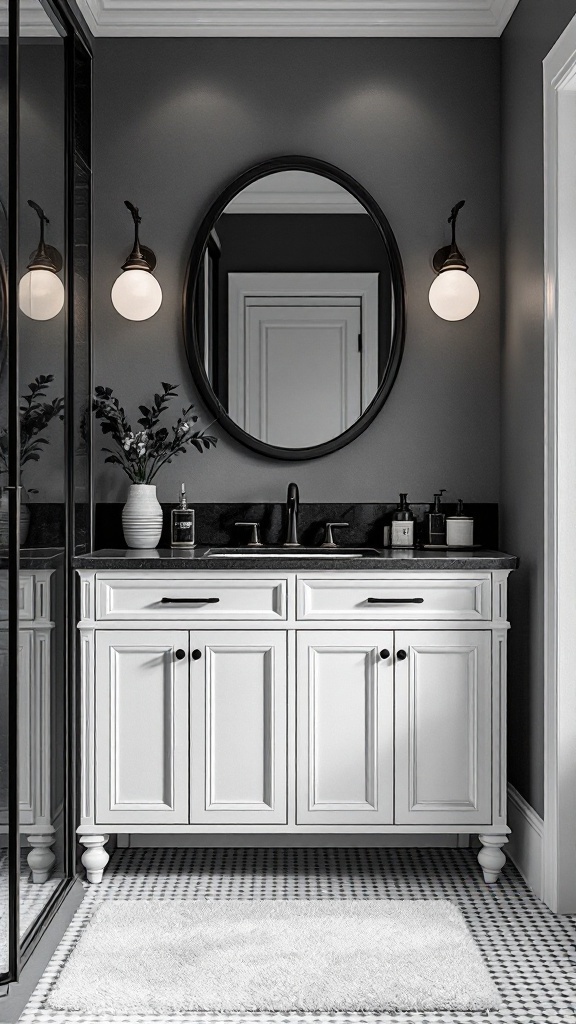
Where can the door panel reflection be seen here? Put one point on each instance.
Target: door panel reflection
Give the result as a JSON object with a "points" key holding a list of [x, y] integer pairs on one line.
{"points": [[42, 353], [4, 506]]}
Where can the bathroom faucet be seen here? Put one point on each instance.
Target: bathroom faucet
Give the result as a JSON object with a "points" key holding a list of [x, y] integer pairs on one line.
{"points": [[292, 500]]}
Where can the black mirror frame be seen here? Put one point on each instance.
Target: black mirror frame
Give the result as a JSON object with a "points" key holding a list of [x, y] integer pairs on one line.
{"points": [[294, 163]]}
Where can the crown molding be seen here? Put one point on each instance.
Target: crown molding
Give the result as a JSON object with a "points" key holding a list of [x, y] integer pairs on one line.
{"points": [[297, 17], [35, 23], [294, 192]]}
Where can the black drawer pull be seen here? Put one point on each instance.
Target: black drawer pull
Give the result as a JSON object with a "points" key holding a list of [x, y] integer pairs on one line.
{"points": [[190, 600], [384, 654], [395, 600], [196, 655], [180, 654], [401, 655]]}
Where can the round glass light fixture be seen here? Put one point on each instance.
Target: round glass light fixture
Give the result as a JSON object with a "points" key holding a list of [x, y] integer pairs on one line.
{"points": [[41, 292], [136, 293], [454, 293]]}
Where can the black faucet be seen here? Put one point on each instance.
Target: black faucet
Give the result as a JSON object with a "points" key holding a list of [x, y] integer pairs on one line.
{"points": [[292, 500]]}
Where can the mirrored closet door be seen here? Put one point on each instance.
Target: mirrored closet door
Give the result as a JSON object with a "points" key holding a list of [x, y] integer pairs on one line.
{"points": [[42, 335], [45, 385]]}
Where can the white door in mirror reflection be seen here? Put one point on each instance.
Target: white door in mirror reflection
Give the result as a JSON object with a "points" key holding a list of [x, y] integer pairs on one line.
{"points": [[302, 366]]}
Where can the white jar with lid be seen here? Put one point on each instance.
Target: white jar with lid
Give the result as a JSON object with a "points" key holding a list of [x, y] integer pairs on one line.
{"points": [[459, 529]]}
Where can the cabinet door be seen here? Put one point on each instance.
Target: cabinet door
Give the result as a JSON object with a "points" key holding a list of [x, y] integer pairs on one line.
{"points": [[443, 727], [238, 727], [141, 740], [345, 707]]}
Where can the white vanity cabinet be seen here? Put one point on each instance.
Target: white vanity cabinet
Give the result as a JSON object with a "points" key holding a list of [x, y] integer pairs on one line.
{"points": [[298, 703], [36, 813]]}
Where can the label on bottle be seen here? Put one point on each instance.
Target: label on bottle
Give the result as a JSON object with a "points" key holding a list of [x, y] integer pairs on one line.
{"points": [[183, 528], [402, 534]]}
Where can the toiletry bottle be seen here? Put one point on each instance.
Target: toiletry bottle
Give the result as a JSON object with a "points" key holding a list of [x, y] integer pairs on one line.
{"points": [[402, 533], [459, 529], [435, 527], [182, 525]]}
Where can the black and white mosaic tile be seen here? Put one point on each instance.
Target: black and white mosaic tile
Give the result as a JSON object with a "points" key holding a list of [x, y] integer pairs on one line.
{"points": [[33, 899], [530, 952]]}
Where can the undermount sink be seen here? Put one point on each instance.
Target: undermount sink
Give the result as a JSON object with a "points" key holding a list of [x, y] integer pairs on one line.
{"points": [[300, 552]]}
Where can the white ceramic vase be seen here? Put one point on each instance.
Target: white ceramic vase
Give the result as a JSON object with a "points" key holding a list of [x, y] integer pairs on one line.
{"points": [[142, 517]]}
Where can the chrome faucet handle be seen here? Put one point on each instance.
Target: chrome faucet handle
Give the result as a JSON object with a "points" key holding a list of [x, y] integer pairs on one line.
{"points": [[255, 541], [329, 541]]}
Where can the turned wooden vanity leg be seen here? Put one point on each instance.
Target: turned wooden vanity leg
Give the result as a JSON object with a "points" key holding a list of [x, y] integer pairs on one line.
{"points": [[41, 858], [491, 857], [94, 857]]}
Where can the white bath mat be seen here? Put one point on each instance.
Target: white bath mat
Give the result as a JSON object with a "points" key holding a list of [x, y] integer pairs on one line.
{"points": [[161, 957]]}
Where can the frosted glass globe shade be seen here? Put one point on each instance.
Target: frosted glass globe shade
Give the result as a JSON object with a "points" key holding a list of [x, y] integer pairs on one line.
{"points": [[41, 294], [454, 295], [136, 294]]}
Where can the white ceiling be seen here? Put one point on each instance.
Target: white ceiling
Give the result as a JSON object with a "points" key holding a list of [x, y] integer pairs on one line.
{"points": [[297, 17]]}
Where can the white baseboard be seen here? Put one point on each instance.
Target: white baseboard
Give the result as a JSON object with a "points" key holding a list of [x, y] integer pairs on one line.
{"points": [[525, 847], [282, 841]]}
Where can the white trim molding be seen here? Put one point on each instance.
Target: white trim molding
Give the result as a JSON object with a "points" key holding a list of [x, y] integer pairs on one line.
{"points": [[560, 473], [526, 841], [297, 17]]}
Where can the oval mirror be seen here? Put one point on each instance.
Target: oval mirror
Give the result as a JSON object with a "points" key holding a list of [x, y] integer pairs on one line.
{"points": [[294, 308]]}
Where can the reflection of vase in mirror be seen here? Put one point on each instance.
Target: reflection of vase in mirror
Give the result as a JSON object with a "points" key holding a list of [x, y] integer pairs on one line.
{"points": [[294, 312]]}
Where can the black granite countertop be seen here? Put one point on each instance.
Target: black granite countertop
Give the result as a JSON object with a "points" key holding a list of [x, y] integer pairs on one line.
{"points": [[35, 558], [387, 559]]}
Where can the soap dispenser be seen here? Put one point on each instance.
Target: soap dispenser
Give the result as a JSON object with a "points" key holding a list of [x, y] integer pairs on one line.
{"points": [[435, 525], [402, 534], [182, 524], [460, 529]]}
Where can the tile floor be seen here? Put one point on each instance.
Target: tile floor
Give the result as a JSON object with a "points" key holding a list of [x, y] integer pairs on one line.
{"points": [[530, 952], [33, 899]]}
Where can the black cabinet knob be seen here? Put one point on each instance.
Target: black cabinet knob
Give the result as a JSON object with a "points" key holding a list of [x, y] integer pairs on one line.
{"points": [[196, 654], [384, 653], [180, 654], [401, 655]]}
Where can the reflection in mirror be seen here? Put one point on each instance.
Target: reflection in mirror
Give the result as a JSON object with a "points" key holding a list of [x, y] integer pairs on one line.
{"points": [[294, 315], [42, 360], [4, 511]]}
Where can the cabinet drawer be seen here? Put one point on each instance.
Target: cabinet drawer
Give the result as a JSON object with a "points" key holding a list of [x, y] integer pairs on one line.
{"points": [[194, 599], [418, 599]]}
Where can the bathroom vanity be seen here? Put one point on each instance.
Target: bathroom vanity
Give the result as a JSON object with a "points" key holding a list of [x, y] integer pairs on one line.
{"points": [[293, 695]]}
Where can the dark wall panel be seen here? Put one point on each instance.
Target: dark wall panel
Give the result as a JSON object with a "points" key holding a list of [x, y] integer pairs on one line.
{"points": [[416, 121]]}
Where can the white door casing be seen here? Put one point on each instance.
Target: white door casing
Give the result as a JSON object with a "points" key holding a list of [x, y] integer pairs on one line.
{"points": [[141, 736], [443, 727], [560, 473], [238, 727], [345, 722]]}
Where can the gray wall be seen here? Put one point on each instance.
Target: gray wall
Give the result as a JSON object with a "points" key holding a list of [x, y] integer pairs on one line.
{"points": [[531, 33], [417, 123], [42, 343]]}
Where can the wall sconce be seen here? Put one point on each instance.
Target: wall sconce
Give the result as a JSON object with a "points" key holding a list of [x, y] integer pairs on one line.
{"points": [[136, 294], [454, 294], [41, 292]]}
